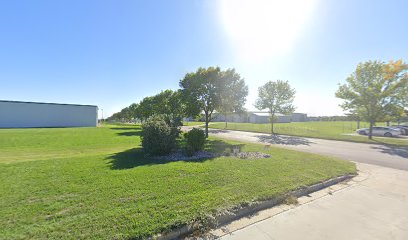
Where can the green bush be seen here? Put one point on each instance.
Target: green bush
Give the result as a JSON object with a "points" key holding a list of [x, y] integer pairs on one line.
{"points": [[158, 138], [195, 140]]}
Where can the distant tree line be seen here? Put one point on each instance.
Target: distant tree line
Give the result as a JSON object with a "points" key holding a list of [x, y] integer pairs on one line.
{"points": [[201, 93], [332, 118], [376, 91]]}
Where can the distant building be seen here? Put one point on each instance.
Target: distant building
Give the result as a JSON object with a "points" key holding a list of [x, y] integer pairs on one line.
{"points": [[264, 117], [232, 117], [259, 117], [15, 114]]}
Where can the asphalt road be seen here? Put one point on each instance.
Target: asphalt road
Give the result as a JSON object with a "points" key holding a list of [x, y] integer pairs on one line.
{"points": [[376, 154]]}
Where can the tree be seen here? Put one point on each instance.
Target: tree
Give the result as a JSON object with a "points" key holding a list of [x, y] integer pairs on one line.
{"points": [[145, 109], [375, 91], [277, 97], [234, 93], [353, 116], [167, 103], [133, 111], [202, 91]]}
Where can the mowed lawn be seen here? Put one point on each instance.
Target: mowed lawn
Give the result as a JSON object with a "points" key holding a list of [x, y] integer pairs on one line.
{"points": [[75, 183], [193, 123], [326, 130]]}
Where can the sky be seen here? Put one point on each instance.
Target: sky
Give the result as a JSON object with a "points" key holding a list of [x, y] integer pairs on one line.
{"points": [[114, 53]]}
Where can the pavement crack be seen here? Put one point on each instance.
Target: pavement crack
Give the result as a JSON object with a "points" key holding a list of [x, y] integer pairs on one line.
{"points": [[264, 232]]}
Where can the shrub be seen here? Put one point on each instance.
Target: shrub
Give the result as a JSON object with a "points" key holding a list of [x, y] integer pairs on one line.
{"points": [[188, 151], [227, 152], [195, 139], [158, 138]]}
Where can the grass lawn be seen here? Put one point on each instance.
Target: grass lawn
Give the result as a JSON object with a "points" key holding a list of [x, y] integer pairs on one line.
{"points": [[192, 123], [325, 130], [76, 183]]}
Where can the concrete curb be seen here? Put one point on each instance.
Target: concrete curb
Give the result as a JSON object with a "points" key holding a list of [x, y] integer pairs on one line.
{"points": [[244, 211]]}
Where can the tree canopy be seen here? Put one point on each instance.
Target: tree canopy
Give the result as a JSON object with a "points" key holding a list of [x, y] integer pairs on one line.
{"points": [[376, 91], [233, 96], [167, 103], [277, 97], [206, 89]]}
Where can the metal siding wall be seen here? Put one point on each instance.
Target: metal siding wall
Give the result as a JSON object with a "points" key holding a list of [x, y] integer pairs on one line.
{"points": [[16, 115]]}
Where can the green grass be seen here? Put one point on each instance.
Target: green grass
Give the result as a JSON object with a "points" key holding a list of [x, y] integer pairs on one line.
{"points": [[192, 123], [324, 130], [95, 183]]}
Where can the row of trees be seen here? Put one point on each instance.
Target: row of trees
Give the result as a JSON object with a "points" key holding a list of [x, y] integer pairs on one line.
{"points": [[167, 102], [206, 91], [376, 91]]}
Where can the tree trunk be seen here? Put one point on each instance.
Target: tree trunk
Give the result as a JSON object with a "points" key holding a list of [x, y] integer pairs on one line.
{"points": [[272, 127], [206, 124], [272, 119], [370, 132], [358, 124], [388, 123], [226, 125]]}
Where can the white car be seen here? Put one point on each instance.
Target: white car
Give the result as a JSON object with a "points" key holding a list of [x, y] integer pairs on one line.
{"points": [[381, 131]]}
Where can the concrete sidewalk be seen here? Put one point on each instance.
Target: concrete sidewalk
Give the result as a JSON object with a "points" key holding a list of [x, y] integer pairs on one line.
{"points": [[373, 207]]}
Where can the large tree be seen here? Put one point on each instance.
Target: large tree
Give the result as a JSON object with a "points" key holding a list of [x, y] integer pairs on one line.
{"points": [[277, 97], [204, 91], [375, 91], [233, 95]]}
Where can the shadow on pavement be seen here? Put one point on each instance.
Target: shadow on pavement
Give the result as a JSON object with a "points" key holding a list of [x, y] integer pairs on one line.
{"points": [[283, 140], [215, 131], [393, 150]]}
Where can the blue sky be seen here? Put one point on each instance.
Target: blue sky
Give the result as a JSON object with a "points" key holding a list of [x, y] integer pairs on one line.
{"points": [[114, 53]]}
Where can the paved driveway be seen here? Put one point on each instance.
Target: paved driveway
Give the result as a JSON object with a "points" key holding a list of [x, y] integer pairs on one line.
{"points": [[381, 155]]}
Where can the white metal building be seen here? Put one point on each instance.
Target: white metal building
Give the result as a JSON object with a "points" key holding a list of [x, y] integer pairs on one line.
{"points": [[15, 114], [260, 117]]}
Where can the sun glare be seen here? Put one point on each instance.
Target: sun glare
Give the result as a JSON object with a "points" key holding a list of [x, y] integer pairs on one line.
{"points": [[259, 29]]}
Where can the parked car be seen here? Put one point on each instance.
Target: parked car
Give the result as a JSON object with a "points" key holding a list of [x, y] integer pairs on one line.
{"points": [[380, 131], [403, 128]]}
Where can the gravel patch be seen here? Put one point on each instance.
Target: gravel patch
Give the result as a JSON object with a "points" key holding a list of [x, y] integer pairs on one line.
{"points": [[250, 155], [180, 156]]}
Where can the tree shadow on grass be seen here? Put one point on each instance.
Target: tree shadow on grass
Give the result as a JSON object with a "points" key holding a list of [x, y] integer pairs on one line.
{"points": [[219, 146], [129, 159], [136, 157], [130, 131]]}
